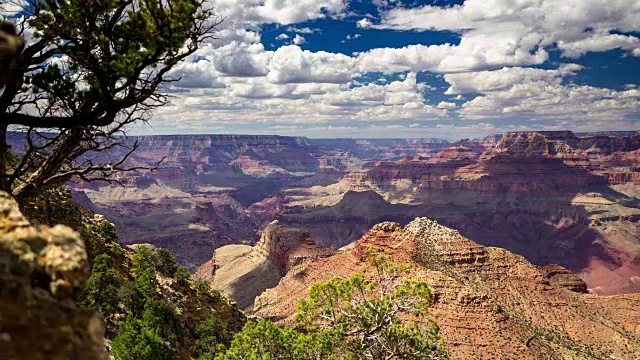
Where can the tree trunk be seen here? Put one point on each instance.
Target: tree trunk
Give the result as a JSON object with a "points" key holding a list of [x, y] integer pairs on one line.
{"points": [[5, 184]]}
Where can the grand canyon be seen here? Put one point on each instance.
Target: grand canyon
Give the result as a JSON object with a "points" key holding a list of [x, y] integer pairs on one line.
{"points": [[552, 197], [529, 240], [320, 180]]}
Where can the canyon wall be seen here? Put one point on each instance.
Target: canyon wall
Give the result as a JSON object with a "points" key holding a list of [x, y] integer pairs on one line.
{"points": [[488, 302]]}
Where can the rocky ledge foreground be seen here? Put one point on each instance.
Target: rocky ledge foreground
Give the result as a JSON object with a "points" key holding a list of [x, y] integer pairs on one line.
{"points": [[40, 268], [489, 302]]}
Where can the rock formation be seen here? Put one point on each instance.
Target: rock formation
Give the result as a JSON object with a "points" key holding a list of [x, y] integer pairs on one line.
{"points": [[552, 197], [489, 303], [40, 269], [244, 272]]}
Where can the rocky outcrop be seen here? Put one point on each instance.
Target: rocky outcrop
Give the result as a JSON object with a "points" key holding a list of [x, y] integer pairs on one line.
{"points": [[245, 272], [559, 276], [530, 143], [488, 302], [40, 268], [439, 246]]}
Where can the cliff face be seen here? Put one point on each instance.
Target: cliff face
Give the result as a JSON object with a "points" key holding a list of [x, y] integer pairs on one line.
{"points": [[489, 303], [552, 197], [244, 272], [557, 142]]}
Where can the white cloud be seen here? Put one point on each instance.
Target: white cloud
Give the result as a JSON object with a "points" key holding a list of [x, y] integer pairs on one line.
{"points": [[282, 36], [290, 64], [536, 93], [479, 52], [12, 8], [238, 35], [364, 23], [304, 30], [283, 12], [352, 37], [577, 26], [505, 78], [201, 74], [240, 59], [299, 40], [446, 105], [598, 43]]}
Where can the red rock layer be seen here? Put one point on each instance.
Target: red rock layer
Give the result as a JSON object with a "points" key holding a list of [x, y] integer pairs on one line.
{"points": [[488, 302]]}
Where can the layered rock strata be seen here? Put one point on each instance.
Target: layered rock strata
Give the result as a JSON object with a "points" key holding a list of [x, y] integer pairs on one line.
{"points": [[244, 272], [488, 302]]}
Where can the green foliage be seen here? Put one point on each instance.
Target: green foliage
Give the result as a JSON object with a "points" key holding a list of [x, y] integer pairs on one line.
{"points": [[266, 341], [138, 340], [101, 291], [162, 316], [210, 335], [101, 238], [204, 292], [374, 319], [382, 316], [165, 262], [144, 286], [112, 43], [52, 207], [181, 275], [93, 68]]}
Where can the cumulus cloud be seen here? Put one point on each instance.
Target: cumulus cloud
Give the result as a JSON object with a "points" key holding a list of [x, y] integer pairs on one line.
{"points": [[487, 81], [484, 51], [283, 12], [529, 92], [282, 36], [446, 105], [598, 43], [193, 75], [290, 64], [299, 40], [240, 59], [364, 23], [575, 26], [407, 91], [238, 35]]}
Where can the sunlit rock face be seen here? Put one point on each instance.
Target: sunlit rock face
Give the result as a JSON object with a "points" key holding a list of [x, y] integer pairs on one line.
{"points": [[244, 272], [489, 303]]}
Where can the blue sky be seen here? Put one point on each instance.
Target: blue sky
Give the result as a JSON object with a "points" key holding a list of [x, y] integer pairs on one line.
{"points": [[384, 68]]}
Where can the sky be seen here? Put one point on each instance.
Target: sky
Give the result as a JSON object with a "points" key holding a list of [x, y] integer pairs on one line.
{"points": [[410, 69]]}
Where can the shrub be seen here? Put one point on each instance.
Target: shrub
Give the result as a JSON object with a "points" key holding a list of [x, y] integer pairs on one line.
{"points": [[165, 262]]}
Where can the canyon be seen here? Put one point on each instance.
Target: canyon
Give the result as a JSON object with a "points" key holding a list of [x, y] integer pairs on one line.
{"points": [[551, 197], [489, 303]]}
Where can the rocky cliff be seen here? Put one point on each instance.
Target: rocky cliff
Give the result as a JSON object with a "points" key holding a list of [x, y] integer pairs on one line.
{"points": [[554, 198], [488, 302], [244, 272]]}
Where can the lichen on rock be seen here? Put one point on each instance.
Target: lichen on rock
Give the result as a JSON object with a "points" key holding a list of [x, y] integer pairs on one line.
{"points": [[40, 268]]}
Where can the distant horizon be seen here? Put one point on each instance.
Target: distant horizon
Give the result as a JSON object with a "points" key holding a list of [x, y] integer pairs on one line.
{"points": [[448, 139]]}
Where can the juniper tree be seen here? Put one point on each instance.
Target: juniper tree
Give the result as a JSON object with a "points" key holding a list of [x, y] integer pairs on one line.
{"points": [[91, 69]]}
